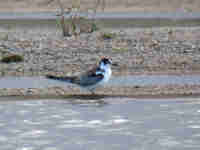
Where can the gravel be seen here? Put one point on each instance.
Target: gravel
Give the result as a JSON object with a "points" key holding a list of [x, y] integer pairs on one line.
{"points": [[166, 50], [134, 51]]}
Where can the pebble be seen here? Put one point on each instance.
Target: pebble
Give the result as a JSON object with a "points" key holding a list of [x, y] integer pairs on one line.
{"points": [[46, 52]]}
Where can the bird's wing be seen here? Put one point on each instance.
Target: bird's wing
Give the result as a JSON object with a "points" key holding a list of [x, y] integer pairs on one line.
{"points": [[95, 71], [90, 77]]}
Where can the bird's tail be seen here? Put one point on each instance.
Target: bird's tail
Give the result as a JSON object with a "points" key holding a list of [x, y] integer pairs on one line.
{"points": [[66, 79]]}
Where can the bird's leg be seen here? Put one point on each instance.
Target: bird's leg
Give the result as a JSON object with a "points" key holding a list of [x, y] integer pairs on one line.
{"points": [[92, 91]]}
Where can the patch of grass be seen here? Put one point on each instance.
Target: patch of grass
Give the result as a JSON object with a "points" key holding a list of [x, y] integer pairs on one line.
{"points": [[108, 36], [94, 27], [119, 49], [12, 58]]}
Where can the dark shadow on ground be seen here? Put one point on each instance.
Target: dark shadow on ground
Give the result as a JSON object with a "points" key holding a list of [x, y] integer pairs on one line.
{"points": [[80, 97]]}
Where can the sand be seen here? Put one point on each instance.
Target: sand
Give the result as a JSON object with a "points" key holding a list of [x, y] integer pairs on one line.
{"points": [[168, 50], [110, 5]]}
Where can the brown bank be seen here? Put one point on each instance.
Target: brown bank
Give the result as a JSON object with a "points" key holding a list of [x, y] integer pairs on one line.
{"points": [[137, 91], [110, 5], [167, 50], [134, 51]]}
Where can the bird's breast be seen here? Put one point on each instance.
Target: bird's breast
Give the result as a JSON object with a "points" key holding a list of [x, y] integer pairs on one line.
{"points": [[107, 75]]}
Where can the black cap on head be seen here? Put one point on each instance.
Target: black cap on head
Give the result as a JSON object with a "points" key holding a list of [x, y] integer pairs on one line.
{"points": [[106, 60]]}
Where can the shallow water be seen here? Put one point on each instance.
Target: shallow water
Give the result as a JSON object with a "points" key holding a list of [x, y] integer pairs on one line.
{"points": [[101, 15], [109, 123], [107, 20], [140, 80]]}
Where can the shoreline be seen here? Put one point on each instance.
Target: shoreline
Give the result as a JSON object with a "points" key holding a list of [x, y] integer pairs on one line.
{"points": [[135, 51], [171, 50], [109, 5], [168, 91], [107, 20], [49, 15]]}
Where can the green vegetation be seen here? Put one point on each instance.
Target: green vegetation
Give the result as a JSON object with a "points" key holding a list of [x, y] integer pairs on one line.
{"points": [[94, 27], [108, 36], [12, 58]]}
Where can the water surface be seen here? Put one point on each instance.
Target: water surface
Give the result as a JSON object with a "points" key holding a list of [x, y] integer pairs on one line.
{"points": [[109, 123], [138, 80], [105, 19]]}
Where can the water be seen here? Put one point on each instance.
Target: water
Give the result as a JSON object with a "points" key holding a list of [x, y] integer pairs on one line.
{"points": [[102, 15], [105, 19], [146, 80], [140, 80], [114, 124]]}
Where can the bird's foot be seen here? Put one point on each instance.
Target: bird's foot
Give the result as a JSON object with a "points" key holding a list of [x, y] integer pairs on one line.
{"points": [[92, 92]]}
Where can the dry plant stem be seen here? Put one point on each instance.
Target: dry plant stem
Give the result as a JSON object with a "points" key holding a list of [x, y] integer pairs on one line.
{"points": [[61, 8], [73, 27], [101, 3], [64, 28]]}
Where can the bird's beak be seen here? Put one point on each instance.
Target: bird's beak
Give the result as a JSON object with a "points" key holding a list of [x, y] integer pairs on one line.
{"points": [[115, 64]]}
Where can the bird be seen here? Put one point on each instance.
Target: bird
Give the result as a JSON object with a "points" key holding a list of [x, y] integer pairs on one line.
{"points": [[91, 79]]}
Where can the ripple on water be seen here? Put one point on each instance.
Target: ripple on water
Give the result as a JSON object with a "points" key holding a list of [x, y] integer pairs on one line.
{"points": [[190, 143], [32, 123], [157, 132], [164, 105], [2, 124], [178, 112], [25, 148], [111, 130], [23, 112], [32, 104], [120, 121], [74, 121], [42, 142], [33, 134], [57, 116], [3, 139], [191, 121], [50, 148], [95, 122], [194, 126], [169, 142], [1, 107], [196, 135], [91, 123], [14, 131]]}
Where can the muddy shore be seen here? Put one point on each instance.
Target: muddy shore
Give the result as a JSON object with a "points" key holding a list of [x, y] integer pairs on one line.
{"points": [[134, 51], [110, 5], [75, 92], [173, 50]]}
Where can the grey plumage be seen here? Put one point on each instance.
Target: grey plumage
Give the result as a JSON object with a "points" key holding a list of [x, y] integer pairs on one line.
{"points": [[90, 79], [83, 80]]}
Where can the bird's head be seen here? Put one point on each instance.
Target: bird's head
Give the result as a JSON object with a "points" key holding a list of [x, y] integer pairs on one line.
{"points": [[104, 63]]}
